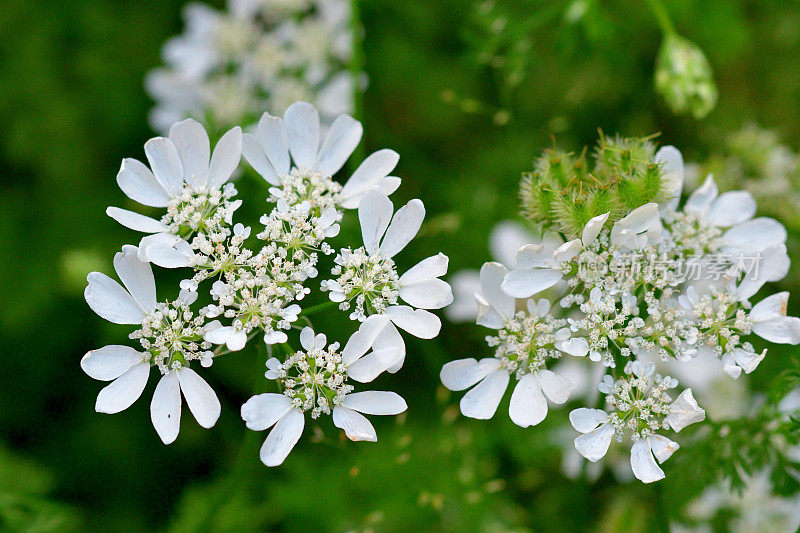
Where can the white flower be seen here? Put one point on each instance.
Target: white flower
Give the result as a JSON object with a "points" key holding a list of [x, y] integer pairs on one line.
{"points": [[129, 369], [314, 381], [639, 229], [185, 178], [524, 344], [296, 139], [368, 277], [671, 161]]}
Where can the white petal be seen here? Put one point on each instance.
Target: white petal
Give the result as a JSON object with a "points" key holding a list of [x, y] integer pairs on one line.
{"points": [[643, 463], [593, 229], [431, 267], [594, 444], [526, 283], [586, 420], [492, 276], [773, 306], [272, 137], [236, 341], [748, 360], [780, 330], [165, 250], [200, 397], [773, 263], [361, 341], [282, 438], [754, 235], [672, 166], [534, 256], [375, 402], [255, 155], [374, 213], [388, 185], [165, 408], [302, 130], [464, 373], [684, 411], [370, 366], [662, 447], [135, 221], [264, 410], [405, 225], [140, 184], [418, 322], [372, 170], [342, 139], [390, 337], [110, 362], [528, 406], [700, 200], [556, 388], [165, 163], [123, 391], [481, 402], [307, 338], [108, 299], [428, 294], [577, 346], [225, 158], [567, 251], [505, 239], [354, 424], [731, 208], [191, 141], [137, 276]]}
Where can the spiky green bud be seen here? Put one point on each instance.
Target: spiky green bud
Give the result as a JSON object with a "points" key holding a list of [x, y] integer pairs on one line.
{"points": [[564, 191], [684, 78]]}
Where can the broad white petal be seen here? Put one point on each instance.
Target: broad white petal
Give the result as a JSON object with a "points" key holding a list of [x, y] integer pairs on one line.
{"points": [[526, 283], [390, 337], [773, 264], [556, 388], [165, 250], [528, 406], [643, 463], [370, 366], [593, 228], [191, 141], [773, 306], [307, 338], [255, 155], [355, 425], [282, 438], [684, 411], [492, 277], [534, 256], [431, 267], [272, 137], [302, 130], [662, 447], [700, 200], [748, 360], [342, 139], [429, 294], [137, 276], [140, 184], [464, 373], [165, 408], [594, 444], [481, 401], [405, 225], [672, 166], [264, 410], [108, 299], [754, 235], [780, 330], [166, 164], [585, 420], [374, 213], [373, 169], [135, 221], [731, 208], [505, 239], [200, 397], [361, 341], [110, 362], [375, 402], [225, 158], [418, 322], [123, 391]]}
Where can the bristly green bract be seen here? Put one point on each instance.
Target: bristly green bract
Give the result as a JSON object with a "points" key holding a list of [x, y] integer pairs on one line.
{"points": [[565, 190]]}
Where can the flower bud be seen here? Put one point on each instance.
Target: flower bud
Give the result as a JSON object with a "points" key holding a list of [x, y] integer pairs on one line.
{"points": [[684, 78]]}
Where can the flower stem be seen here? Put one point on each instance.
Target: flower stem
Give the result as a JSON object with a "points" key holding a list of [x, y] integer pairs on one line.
{"points": [[662, 17], [662, 519], [319, 307]]}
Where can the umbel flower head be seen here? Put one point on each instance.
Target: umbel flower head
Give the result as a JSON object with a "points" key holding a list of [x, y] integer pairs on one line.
{"points": [[228, 66], [254, 284], [634, 285], [684, 78]]}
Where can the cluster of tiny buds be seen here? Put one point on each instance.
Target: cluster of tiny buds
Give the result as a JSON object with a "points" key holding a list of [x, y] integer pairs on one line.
{"points": [[173, 336], [369, 281], [721, 321], [198, 210], [301, 185], [690, 234], [526, 342], [315, 380], [638, 399]]}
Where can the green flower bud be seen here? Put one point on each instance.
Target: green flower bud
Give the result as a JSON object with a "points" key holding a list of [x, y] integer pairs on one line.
{"points": [[684, 78], [565, 191]]}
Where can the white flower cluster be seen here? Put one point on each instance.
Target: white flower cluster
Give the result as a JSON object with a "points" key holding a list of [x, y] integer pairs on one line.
{"points": [[246, 290], [661, 285], [256, 54]]}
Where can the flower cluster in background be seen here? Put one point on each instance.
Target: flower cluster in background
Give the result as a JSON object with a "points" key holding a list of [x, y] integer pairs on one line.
{"points": [[624, 277], [229, 65], [248, 287]]}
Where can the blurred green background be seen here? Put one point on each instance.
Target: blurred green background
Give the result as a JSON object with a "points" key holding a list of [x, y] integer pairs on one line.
{"points": [[72, 105]]}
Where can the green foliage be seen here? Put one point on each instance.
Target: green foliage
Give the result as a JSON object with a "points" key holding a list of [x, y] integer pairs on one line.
{"points": [[566, 191]]}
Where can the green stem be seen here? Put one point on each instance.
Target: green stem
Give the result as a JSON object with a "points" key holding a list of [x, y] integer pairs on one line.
{"points": [[357, 69], [319, 307], [662, 519], [662, 17]]}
